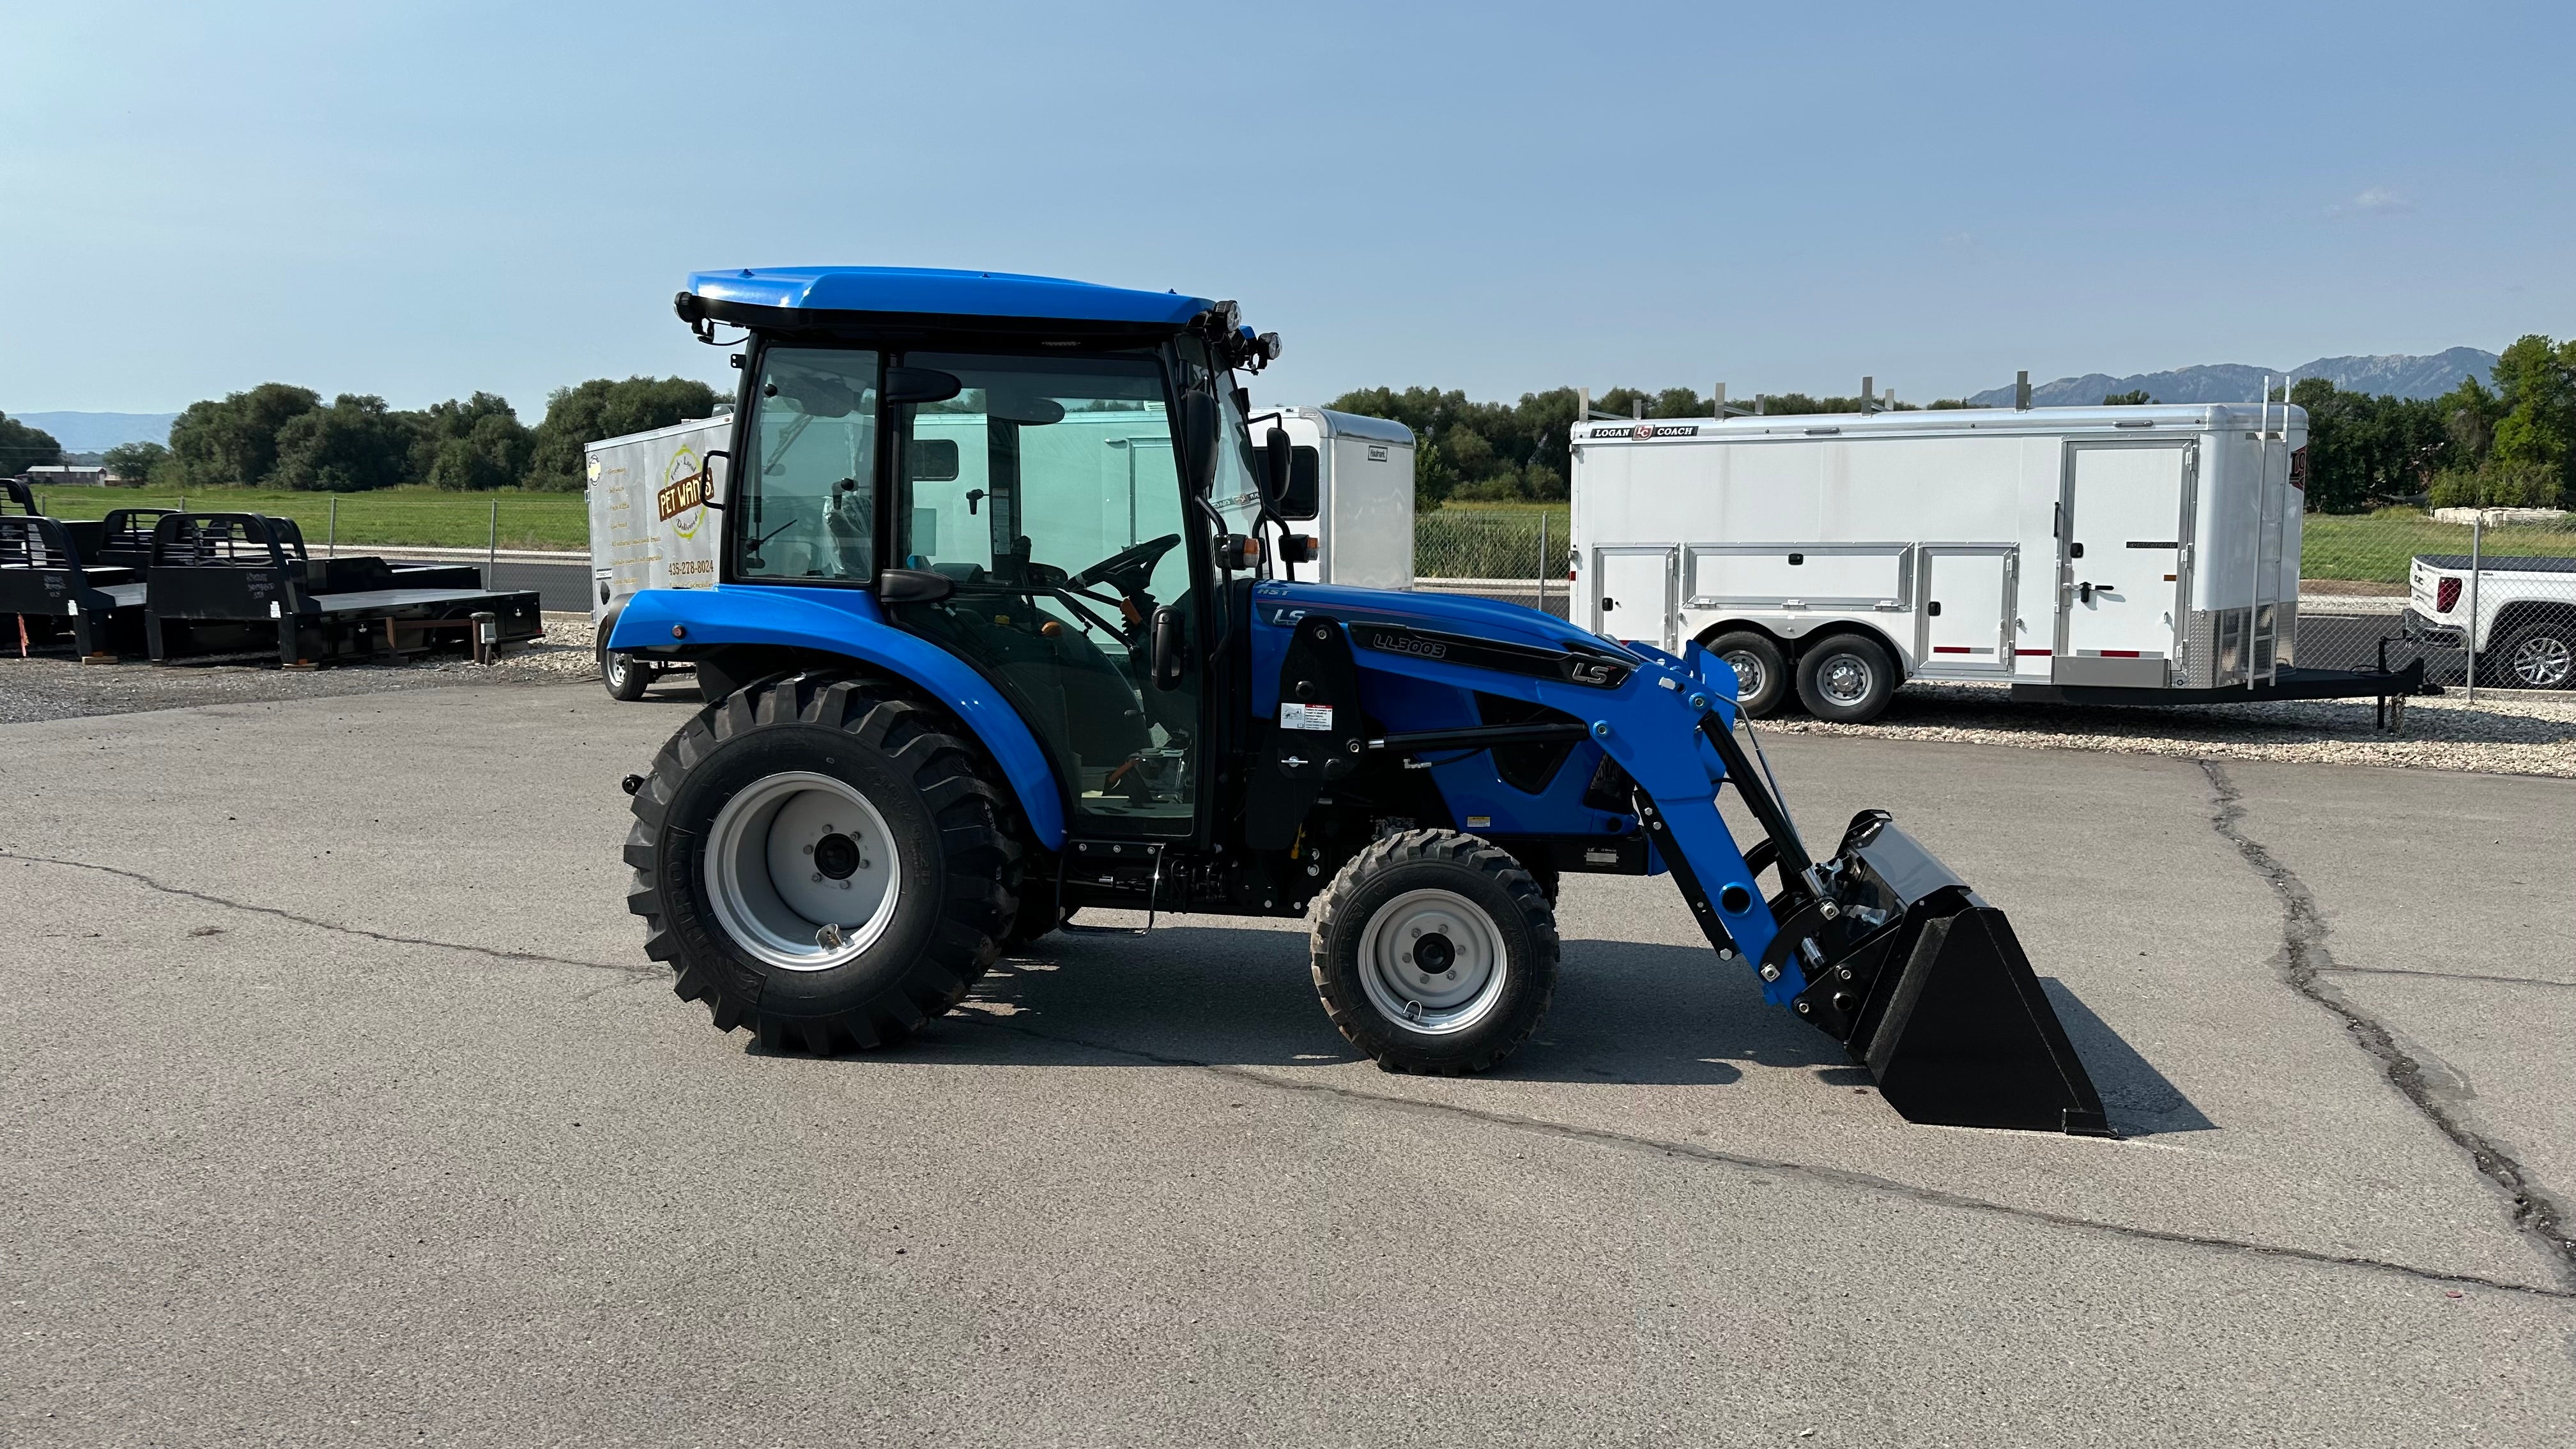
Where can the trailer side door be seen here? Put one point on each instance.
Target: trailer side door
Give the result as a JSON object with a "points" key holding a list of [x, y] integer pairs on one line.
{"points": [[2122, 522]]}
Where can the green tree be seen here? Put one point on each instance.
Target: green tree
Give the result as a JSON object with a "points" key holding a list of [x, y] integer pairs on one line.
{"points": [[603, 408], [2535, 439], [478, 443], [234, 440], [354, 445], [135, 462], [2133, 398], [23, 447]]}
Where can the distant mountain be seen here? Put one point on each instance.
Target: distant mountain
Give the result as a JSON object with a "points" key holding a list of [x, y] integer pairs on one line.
{"points": [[98, 432], [2393, 375]]}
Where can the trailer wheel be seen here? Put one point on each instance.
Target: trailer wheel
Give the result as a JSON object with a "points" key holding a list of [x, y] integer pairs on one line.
{"points": [[1847, 678], [819, 859], [1435, 952], [1759, 667], [626, 676]]}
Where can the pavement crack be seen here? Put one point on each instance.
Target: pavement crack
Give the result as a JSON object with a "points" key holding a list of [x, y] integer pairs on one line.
{"points": [[1813, 1172], [2305, 963], [2493, 980], [389, 938]]}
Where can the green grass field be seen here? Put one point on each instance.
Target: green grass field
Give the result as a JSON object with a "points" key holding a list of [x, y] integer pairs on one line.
{"points": [[421, 517], [1463, 540], [2375, 547]]}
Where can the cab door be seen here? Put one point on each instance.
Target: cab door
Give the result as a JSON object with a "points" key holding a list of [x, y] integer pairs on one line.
{"points": [[2123, 516], [1046, 492]]}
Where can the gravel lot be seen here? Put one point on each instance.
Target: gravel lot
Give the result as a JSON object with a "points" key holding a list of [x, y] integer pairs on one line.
{"points": [[53, 688], [2502, 733]]}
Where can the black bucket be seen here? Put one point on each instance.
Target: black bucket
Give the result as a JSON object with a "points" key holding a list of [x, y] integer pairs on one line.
{"points": [[1925, 984]]}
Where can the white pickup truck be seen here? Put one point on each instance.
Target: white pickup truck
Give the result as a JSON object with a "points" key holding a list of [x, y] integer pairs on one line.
{"points": [[2524, 632]]}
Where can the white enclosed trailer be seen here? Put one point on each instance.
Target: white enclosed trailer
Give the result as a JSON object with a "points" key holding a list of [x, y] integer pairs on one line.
{"points": [[650, 526], [2115, 554], [1351, 478]]}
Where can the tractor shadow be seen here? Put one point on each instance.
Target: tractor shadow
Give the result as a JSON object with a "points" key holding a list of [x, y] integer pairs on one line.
{"points": [[1624, 1013]]}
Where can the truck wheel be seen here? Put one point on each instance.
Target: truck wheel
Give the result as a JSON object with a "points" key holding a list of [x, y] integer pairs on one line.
{"points": [[1759, 666], [626, 676], [1435, 952], [2538, 656], [819, 860], [1846, 678]]}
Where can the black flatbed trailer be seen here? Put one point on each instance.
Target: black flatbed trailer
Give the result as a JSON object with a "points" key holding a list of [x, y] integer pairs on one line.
{"points": [[73, 582], [238, 582]]}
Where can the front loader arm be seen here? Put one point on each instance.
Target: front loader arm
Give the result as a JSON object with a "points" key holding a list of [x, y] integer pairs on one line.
{"points": [[1880, 946]]}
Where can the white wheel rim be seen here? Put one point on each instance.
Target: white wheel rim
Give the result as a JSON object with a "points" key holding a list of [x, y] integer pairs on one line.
{"points": [[802, 871], [1433, 962], [617, 671], [1845, 679], [1748, 673]]}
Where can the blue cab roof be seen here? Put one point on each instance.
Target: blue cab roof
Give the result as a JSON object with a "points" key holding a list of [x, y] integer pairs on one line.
{"points": [[934, 291]]}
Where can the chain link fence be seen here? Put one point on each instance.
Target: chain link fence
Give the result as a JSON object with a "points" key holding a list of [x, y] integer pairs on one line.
{"points": [[504, 521], [2486, 598], [1517, 555]]}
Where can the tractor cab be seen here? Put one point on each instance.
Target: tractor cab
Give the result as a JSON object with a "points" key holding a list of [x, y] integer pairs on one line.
{"points": [[1050, 500]]}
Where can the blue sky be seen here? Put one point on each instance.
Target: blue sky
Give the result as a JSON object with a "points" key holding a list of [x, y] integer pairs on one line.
{"points": [[419, 200]]}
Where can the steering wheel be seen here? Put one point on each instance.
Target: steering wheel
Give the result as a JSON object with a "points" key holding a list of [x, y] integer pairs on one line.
{"points": [[1129, 569]]}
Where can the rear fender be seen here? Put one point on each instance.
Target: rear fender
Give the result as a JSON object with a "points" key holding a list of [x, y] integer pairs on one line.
{"points": [[848, 622]]}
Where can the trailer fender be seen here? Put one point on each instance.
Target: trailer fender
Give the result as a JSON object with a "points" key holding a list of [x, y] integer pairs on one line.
{"points": [[847, 622]]}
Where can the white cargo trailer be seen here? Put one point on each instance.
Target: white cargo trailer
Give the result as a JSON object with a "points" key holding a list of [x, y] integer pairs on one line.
{"points": [[2121, 555], [650, 523], [1351, 479]]}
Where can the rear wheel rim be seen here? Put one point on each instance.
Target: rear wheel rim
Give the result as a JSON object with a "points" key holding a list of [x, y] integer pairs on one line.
{"points": [[1749, 675], [1845, 679], [802, 871], [2543, 662], [1433, 962]]}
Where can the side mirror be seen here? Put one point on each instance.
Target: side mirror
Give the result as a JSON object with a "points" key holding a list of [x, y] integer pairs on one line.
{"points": [[1171, 647], [931, 460], [1198, 438], [1276, 460], [1304, 497], [913, 586]]}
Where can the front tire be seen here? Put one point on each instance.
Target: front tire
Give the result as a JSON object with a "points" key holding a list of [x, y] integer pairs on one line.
{"points": [[820, 860], [1760, 668], [1435, 952], [1846, 678]]}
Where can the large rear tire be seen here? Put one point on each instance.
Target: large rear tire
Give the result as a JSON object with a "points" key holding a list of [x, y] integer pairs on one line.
{"points": [[820, 860], [1435, 952]]}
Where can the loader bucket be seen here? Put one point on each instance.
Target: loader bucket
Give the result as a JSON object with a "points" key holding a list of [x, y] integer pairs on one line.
{"points": [[1925, 984]]}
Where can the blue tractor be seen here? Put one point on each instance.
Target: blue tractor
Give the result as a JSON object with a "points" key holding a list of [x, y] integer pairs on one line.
{"points": [[1006, 626]]}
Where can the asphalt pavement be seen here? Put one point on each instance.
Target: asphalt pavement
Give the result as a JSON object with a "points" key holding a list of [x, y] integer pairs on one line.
{"points": [[345, 1109]]}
